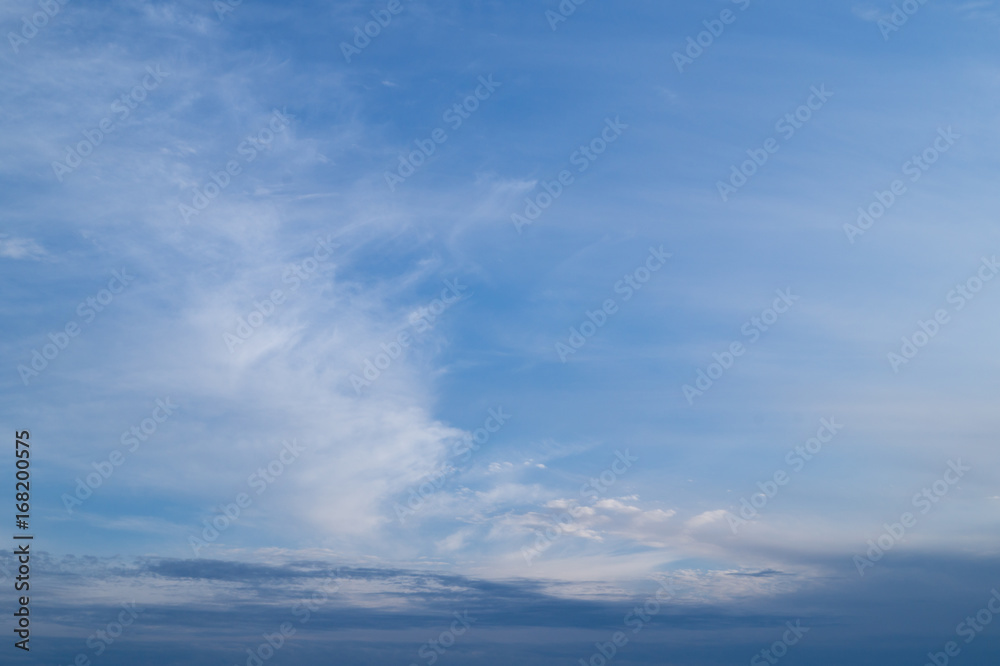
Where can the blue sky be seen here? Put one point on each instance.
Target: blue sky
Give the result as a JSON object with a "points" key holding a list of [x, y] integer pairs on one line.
{"points": [[460, 402]]}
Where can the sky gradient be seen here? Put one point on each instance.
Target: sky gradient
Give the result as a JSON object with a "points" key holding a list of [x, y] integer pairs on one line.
{"points": [[522, 310]]}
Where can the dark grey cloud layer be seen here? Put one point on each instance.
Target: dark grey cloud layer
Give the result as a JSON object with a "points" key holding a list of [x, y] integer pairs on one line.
{"points": [[898, 612]]}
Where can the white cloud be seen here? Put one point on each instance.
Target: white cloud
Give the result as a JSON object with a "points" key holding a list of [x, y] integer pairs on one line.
{"points": [[706, 518], [20, 248]]}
